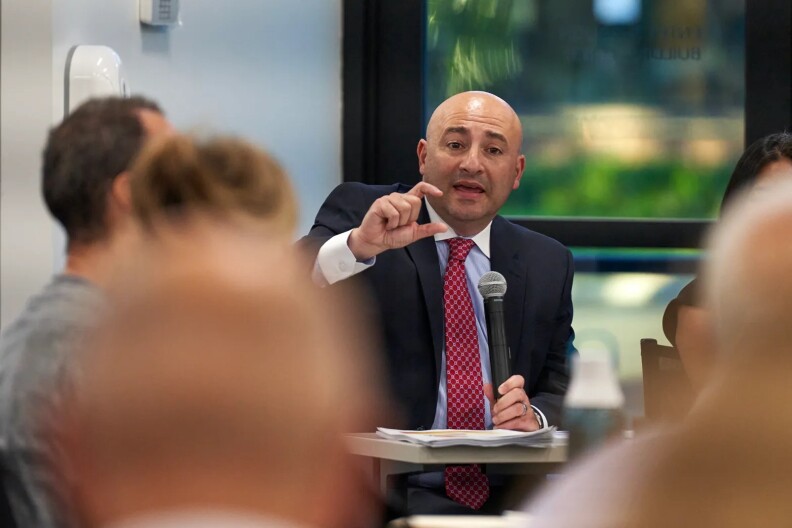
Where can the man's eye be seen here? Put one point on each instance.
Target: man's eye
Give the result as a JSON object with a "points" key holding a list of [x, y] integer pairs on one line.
{"points": [[455, 145], [494, 150]]}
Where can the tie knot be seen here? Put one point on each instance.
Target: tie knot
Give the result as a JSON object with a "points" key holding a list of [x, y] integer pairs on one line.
{"points": [[459, 248]]}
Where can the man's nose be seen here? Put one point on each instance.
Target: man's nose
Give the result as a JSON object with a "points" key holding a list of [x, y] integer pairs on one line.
{"points": [[471, 163]]}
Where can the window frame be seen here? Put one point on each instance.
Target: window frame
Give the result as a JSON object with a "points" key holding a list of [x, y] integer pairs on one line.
{"points": [[384, 75]]}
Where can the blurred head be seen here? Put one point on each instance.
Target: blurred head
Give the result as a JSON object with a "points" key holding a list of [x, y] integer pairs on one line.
{"points": [[766, 160], [221, 380], [472, 154], [84, 157], [747, 276], [729, 462], [224, 177]]}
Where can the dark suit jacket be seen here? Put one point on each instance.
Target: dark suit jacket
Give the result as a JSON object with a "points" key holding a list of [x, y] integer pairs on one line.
{"points": [[407, 288]]}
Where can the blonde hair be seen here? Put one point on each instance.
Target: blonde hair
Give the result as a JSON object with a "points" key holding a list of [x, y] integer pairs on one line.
{"points": [[179, 175]]}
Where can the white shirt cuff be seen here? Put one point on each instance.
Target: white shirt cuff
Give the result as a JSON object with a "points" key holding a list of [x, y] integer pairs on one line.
{"points": [[335, 261], [540, 416]]}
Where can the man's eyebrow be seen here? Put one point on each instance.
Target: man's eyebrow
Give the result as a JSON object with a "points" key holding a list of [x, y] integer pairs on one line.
{"points": [[464, 130], [456, 130], [496, 135]]}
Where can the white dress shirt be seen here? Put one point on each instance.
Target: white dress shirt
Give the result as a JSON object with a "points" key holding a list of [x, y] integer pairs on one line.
{"points": [[335, 262]]}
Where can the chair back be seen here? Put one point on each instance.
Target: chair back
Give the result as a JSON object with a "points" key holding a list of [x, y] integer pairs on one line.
{"points": [[668, 394]]}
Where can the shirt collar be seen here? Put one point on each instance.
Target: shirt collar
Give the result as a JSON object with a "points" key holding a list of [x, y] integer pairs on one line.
{"points": [[482, 239]]}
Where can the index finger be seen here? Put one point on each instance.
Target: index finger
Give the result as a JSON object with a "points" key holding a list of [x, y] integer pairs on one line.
{"points": [[422, 189], [514, 382]]}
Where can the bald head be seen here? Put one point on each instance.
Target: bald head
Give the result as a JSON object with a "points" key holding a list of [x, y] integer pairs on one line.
{"points": [[480, 104]]}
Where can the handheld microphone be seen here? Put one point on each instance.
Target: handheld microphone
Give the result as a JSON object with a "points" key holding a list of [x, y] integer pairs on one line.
{"points": [[492, 287]]}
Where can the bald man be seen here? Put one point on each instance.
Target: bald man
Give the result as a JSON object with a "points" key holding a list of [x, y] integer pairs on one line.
{"points": [[216, 392], [398, 241]]}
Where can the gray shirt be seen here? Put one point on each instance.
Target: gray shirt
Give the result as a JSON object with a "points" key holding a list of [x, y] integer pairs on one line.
{"points": [[34, 375]]}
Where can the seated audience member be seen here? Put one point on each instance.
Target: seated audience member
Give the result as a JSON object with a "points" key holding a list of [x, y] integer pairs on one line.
{"points": [[223, 177], [182, 180], [685, 323], [421, 251], [85, 187], [217, 390], [728, 464]]}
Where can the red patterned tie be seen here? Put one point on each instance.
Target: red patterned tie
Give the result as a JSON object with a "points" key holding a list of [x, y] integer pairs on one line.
{"points": [[464, 484]]}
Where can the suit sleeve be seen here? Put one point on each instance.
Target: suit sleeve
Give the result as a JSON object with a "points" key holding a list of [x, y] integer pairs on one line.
{"points": [[343, 210], [554, 379]]}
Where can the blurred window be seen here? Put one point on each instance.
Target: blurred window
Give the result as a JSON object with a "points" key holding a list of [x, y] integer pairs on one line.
{"points": [[634, 113], [619, 298], [631, 108]]}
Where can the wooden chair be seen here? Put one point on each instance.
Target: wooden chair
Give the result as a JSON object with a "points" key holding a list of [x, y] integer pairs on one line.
{"points": [[668, 394]]}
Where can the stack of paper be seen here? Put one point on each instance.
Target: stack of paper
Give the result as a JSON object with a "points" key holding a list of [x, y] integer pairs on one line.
{"points": [[458, 437]]}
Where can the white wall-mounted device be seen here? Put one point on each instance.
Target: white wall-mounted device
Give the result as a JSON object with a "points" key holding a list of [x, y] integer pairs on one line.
{"points": [[93, 71], [159, 12]]}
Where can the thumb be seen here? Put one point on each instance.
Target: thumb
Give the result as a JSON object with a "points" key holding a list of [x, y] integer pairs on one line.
{"points": [[431, 229], [489, 394]]}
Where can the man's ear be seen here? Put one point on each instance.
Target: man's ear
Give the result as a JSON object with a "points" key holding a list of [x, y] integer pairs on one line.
{"points": [[520, 169], [421, 150], [121, 193]]}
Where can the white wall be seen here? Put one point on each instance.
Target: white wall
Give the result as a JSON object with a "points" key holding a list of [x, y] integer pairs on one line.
{"points": [[268, 70], [26, 112]]}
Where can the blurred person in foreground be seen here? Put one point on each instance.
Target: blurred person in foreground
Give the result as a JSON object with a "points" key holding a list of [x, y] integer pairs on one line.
{"points": [[728, 464], [183, 180], [85, 184], [217, 390], [686, 323]]}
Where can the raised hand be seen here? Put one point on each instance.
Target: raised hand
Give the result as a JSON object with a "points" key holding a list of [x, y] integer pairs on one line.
{"points": [[391, 222]]}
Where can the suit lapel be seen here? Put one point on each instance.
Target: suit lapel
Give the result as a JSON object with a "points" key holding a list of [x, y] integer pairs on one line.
{"points": [[507, 260], [424, 254]]}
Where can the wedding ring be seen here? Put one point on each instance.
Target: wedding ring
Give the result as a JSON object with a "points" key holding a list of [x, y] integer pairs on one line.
{"points": [[525, 409]]}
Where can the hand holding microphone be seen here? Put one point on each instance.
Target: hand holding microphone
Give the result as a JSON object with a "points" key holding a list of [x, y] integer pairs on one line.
{"points": [[512, 409], [492, 286]]}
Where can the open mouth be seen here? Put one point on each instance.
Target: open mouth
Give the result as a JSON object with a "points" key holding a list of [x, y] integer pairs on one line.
{"points": [[469, 188]]}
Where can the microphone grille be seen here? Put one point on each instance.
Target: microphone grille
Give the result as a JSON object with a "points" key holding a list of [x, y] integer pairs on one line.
{"points": [[492, 284]]}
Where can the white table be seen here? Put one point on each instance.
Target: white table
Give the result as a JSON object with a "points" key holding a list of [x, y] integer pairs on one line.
{"points": [[508, 520], [391, 457]]}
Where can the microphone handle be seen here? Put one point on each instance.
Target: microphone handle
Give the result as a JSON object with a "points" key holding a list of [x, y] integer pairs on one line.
{"points": [[500, 355]]}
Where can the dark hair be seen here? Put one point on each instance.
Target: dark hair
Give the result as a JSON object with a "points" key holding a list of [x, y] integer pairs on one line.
{"points": [[83, 156], [224, 176], [756, 157]]}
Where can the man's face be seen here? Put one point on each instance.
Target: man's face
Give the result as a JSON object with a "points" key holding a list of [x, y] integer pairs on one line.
{"points": [[472, 154]]}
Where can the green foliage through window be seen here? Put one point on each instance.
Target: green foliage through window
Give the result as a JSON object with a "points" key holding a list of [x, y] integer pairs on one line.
{"points": [[630, 108]]}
